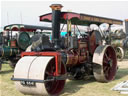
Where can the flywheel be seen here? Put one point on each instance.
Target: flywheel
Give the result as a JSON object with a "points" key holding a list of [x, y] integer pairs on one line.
{"points": [[23, 40], [105, 63]]}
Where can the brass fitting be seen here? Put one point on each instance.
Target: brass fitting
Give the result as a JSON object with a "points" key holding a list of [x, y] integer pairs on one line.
{"points": [[56, 6]]}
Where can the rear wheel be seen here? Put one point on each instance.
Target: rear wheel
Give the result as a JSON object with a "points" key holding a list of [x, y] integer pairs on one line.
{"points": [[105, 63]]}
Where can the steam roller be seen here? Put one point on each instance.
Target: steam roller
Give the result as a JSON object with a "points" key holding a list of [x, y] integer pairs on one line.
{"points": [[46, 64]]}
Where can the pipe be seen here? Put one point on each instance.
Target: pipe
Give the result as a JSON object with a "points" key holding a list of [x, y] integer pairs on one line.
{"points": [[56, 14]]}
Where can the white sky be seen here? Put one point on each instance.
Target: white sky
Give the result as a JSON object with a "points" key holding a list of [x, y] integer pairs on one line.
{"points": [[31, 10]]}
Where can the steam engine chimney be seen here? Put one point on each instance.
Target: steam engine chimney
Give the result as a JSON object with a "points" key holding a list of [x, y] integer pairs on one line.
{"points": [[56, 14]]}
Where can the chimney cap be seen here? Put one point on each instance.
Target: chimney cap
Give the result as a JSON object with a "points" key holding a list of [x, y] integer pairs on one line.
{"points": [[56, 6]]}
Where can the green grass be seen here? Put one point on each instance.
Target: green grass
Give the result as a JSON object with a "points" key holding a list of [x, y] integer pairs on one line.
{"points": [[72, 88], [7, 86], [93, 88]]}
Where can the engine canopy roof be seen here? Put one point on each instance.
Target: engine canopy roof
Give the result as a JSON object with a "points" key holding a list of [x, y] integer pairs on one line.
{"points": [[23, 27], [81, 19]]}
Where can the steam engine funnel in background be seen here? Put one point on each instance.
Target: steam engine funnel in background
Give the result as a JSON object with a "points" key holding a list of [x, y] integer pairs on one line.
{"points": [[56, 14]]}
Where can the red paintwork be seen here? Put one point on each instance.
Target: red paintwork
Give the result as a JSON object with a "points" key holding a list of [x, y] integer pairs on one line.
{"points": [[64, 15], [27, 30], [109, 69], [55, 54], [46, 16], [69, 15], [15, 29], [21, 29]]}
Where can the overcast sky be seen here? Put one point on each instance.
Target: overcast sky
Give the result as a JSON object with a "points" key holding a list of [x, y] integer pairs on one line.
{"points": [[28, 12]]}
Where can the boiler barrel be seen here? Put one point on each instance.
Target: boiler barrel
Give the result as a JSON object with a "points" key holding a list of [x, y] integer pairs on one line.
{"points": [[6, 51]]}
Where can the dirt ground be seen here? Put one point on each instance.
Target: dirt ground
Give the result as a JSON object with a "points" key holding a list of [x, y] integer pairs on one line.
{"points": [[123, 64], [93, 88]]}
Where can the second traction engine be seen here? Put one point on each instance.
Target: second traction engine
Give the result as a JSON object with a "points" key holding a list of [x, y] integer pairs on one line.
{"points": [[44, 70]]}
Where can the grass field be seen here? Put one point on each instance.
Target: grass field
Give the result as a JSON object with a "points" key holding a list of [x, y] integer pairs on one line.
{"points": [[72, 88]]}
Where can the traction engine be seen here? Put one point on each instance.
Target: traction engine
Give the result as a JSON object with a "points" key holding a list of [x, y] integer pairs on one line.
{"points": [[44, 70], [15, 39]]}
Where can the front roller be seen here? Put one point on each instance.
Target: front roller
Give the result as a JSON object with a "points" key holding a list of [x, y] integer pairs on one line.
{"points": [[34, 75], [105, 63]]}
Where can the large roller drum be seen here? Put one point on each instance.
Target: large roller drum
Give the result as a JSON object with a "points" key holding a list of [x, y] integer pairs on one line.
{"points": [[38, 68], [23, 40], [105, 63]]}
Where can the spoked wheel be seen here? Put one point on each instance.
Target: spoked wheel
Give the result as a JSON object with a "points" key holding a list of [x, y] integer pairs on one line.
{"points": [[39, 68], [105, 63], [120, 53], [56, 86]]}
